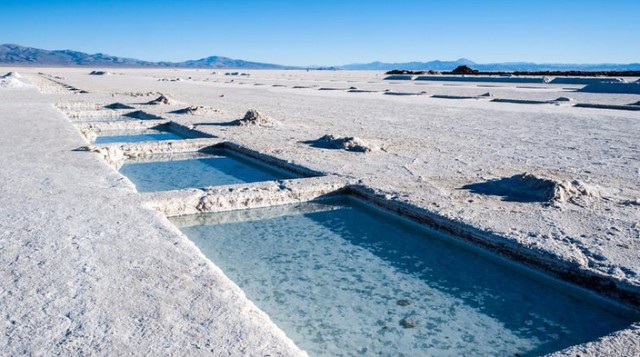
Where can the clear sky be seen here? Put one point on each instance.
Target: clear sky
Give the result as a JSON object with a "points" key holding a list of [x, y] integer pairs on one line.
{"points": [[332, 32]]}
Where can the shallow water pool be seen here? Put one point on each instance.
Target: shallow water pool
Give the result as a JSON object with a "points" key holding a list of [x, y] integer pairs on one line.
{"points": [[197, 170], [102, 119], [134, 136], [343, 279]]}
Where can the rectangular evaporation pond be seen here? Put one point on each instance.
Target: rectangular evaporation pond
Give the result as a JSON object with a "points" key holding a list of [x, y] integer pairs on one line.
{"points": [[102, 119], [341, 278], [134, 136], [197, 170]]}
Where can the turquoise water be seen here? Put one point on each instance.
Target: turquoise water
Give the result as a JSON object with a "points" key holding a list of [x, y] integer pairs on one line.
{"points": [[103, 119], [342, 279], [135, 136], [177, 172]]}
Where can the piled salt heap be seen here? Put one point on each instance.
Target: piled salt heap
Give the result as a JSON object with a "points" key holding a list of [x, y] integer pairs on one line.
{"points": [[528, 187], [162, 100], [118, 106], [195, 110], [349, 143], [574, 191], [254, 117], [139, 114], [12, 74], [12, 80]]}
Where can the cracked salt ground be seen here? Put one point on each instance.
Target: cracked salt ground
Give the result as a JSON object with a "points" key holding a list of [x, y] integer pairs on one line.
{"points": [[342, 279]]}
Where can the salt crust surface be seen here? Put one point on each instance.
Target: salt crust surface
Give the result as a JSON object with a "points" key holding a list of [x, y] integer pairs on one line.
{"points": [[87, 270], [81, 276]]}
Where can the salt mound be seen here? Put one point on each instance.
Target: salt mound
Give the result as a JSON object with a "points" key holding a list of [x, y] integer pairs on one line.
{"points": [[162, 100], [486, 95], [528, 187], [118, 106], [345, 143], [99, 73], [254, 117], [139, 114], [195, 110], [12, 74], [12, 80], [573, 192]]}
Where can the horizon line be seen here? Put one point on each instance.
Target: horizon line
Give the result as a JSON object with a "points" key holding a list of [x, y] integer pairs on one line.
{"points": [[333, 65]]}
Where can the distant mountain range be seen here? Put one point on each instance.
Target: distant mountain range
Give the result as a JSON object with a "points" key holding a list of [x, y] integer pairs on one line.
{"points": [[413, 66], [22, 56], [492, 67]]}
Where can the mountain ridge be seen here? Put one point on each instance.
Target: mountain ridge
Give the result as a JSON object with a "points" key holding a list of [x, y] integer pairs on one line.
{"points": [[23, 55]]}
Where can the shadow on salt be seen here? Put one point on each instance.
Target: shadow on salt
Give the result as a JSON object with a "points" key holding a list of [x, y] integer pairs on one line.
{"points": [[157, 133]]}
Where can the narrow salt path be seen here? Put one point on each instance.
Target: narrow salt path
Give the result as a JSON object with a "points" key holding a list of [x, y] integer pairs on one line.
{"points": [[86, 269]]}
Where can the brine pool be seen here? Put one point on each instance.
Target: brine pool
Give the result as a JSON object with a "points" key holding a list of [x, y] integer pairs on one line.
{"points": [[134, 136], [197, 170], [102, 119], [341, 278]]}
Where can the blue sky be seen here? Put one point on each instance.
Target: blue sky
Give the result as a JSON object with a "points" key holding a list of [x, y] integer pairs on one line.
{"points": [[332, 32]]}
